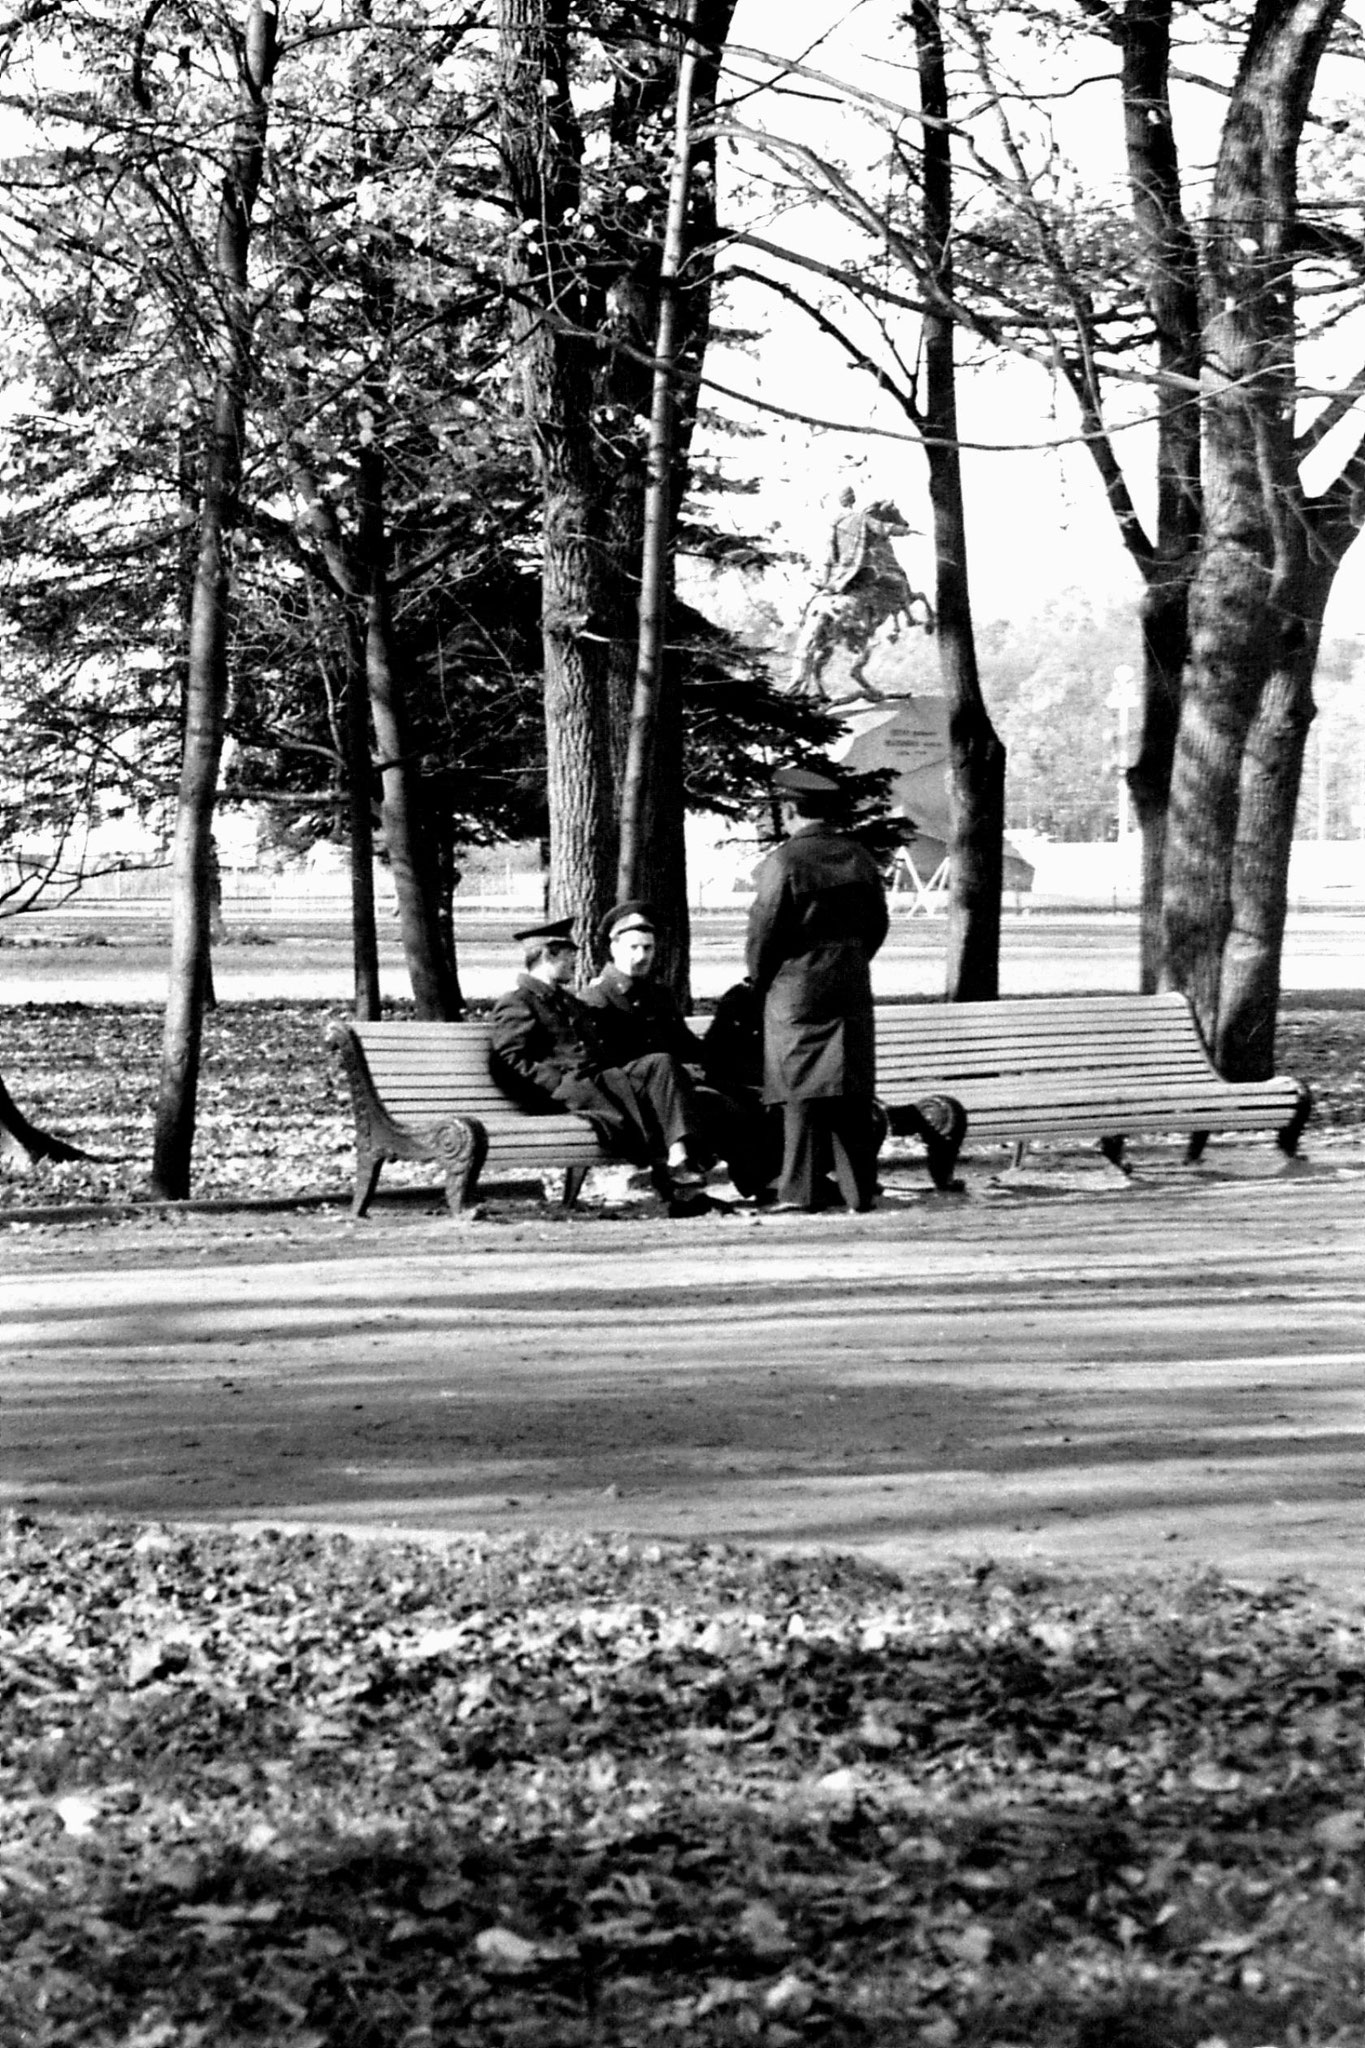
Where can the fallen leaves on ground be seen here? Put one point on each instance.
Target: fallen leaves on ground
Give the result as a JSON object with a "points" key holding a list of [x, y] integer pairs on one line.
{"points": [[331, 1794], [273, 1118], [274, 1121]]}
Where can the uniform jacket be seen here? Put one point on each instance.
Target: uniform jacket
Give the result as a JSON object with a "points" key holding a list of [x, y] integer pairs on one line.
{"points": [[818, 917], [540, 1037], [632, 1018]]}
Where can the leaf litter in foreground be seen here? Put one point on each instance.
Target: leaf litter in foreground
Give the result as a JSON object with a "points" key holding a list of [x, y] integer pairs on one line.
{"points": [[304, 1790]]}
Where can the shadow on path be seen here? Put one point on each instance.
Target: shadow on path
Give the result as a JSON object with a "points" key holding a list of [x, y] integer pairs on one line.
{"points": [[1095, 1379]]}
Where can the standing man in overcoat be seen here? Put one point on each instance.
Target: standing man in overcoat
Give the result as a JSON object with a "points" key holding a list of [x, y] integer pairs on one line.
{"points": [[817, 919]]}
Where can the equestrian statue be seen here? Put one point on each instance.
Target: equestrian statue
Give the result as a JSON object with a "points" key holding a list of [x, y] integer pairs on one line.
{"points": [[863, 595]]}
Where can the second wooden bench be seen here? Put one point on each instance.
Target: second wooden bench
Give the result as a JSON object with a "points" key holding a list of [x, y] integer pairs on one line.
{"points": [[1096, 1068]]}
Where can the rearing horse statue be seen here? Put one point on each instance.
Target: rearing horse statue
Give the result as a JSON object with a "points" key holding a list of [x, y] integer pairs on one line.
{"points": [[862, 594]]}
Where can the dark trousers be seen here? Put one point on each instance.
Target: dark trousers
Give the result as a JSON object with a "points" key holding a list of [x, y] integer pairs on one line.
{"points": [[745, 1133], [835, 1134], [639, 1110]]}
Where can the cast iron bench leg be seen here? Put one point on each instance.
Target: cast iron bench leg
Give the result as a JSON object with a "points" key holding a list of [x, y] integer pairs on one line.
{"points": [[461, 1147], [940, 1123], [1288, 1138], [945, 1131]]}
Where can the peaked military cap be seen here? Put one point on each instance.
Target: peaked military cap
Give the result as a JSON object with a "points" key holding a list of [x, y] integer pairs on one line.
{"points": [[634, 916], [559, 931], [804, 782]]}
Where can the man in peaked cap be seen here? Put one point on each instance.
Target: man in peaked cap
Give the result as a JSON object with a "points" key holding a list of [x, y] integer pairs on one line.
{"points": [[544, 1052], [633, 1013], [818, 916], [635, 1016]]}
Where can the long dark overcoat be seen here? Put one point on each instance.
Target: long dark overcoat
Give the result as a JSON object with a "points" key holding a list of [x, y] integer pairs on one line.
{"points": [[817, 919]]}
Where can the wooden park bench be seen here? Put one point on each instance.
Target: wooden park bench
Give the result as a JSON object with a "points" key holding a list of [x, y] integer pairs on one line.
{"points": [[423, 1091], [1087, 1068]]}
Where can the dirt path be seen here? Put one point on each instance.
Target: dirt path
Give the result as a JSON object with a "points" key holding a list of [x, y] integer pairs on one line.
{"points": [[1062, 1365]]}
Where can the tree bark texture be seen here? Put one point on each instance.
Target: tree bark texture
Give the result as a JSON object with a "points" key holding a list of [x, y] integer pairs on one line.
{"points": [[976, 770], [1243, 617], [652, 716], [360, 834], [542, 150], [1272, 768], [1171, 282], [434, 988], [1322, 531], [206, 672]]}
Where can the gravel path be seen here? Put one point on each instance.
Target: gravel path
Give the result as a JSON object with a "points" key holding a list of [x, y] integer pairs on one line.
{"points": [[1061, 1365]]}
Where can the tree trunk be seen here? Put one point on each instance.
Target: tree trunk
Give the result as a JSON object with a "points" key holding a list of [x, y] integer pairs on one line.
{"points": [[1316, 538], [663, 870], [541, 149], [434, 990], [206, 677], [1243, 598], [579, 781], [1171, 267], [446, 880], [1165, 645], [651, 780], [1272, 768], [360, 819], [191, 903], [22, 1143], [1228, 668], [976, 772]]}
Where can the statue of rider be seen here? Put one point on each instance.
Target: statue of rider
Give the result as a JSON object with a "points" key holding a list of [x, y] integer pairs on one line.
{"points": [[860, 545], [862, 591]]}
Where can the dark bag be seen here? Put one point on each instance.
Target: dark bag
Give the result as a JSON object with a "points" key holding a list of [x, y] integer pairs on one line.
{"points": [[732, 1050]]}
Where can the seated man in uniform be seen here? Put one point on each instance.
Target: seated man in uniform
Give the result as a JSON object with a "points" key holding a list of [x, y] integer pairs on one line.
{"points": [[544, 1053], [635, 1016]]}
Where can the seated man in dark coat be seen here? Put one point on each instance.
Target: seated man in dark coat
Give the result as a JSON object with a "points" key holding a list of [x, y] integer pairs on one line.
{"points": [[635, 1016], [544, 1052]]}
